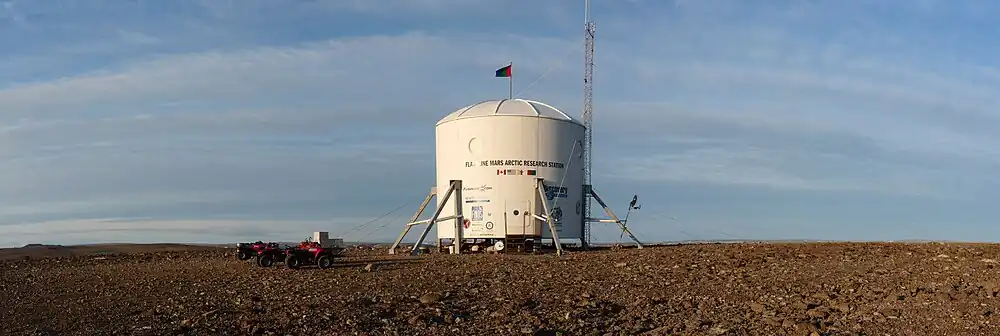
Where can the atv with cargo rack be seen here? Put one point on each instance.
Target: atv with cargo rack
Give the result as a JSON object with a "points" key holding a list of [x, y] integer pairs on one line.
{"points": [[245, 251], [311, 253]]}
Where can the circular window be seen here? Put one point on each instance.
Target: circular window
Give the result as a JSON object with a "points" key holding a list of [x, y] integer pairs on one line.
{"points": [[474, 146], [516, 212]]}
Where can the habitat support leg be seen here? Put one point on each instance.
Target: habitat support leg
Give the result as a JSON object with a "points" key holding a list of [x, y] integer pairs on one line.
{"points": [[459, 219], [615, 217], [406, 229], [540, 188], [430, 222], [434, 219]]}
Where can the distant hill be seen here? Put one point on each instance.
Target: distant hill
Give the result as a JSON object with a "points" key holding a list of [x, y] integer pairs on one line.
{"points": [[36, 251]]}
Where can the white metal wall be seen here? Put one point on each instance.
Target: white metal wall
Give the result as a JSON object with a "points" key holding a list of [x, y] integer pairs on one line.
{"points": [[494, 156]]}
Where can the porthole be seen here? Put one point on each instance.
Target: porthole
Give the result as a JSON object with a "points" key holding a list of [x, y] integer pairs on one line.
{"points": [[474, 146]]}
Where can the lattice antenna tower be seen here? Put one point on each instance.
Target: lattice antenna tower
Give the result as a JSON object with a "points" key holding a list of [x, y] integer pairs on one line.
{"points": [[588, 119]]}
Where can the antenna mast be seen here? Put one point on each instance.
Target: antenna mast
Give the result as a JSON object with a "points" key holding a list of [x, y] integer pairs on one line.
{"points": [[588, 121]]}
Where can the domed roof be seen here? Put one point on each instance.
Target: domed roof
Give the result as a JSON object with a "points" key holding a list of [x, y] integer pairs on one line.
{"points": [[509, 107]]}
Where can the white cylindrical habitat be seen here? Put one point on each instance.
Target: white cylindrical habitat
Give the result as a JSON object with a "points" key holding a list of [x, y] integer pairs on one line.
{"points": [[498, 148]]}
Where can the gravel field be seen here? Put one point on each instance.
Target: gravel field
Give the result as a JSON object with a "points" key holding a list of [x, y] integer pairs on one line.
{"points": [[712, 289]]}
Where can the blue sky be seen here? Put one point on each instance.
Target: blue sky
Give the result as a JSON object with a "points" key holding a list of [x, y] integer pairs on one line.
{"points": [[222, 120]]}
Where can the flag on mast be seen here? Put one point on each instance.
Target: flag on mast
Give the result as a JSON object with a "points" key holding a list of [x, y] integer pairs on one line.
{"points": [[505, 71]]}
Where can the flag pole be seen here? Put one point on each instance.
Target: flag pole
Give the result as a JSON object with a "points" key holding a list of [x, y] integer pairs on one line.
{"points": [[510, 81]]}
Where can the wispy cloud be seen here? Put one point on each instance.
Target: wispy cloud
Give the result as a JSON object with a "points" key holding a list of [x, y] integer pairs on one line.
{"points": [[316, 72], [144, 230]]}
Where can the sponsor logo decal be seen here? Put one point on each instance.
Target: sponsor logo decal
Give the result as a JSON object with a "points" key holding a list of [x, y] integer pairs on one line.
{"points": [[479, 188], [557, 214], [552, 192]]}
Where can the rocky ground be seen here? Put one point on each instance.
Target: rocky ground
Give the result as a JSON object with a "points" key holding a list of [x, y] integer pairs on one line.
{"points": [[721, 289]]}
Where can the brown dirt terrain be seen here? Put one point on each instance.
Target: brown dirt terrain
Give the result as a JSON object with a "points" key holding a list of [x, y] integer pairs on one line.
{"points": [[720, 289]]}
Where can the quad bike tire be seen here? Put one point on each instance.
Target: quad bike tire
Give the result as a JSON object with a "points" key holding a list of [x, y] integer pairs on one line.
{"points": [[265, 260], [324, 262], [243, 255], [293, 262]]}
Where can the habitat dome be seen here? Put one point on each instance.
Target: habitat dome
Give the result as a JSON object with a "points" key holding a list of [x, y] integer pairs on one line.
{"points": [[509, 107]]}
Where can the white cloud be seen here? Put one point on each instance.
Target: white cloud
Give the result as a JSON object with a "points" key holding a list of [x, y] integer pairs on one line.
{"points": [[785, 170], [344, 71], [130, 200], [899, 130], [132, 230]]}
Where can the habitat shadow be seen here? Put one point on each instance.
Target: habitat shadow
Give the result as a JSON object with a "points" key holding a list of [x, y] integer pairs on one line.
{"points": [[375, 263]]}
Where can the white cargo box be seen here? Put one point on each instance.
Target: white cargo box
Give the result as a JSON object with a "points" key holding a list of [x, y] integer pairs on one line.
{"points": [[323, 238]]}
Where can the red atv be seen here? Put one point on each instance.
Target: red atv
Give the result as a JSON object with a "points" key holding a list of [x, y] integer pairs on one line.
{"points": [[269, 254], [245, 251], [311, 253]]}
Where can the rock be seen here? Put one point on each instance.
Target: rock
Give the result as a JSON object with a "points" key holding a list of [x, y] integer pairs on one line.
{"points": [[717, 330], [821, 296], [369, 267], [430, 298], [815, 313], [664, 330], [801, 306], [621, 264], [756, 307], [806, 327]]}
